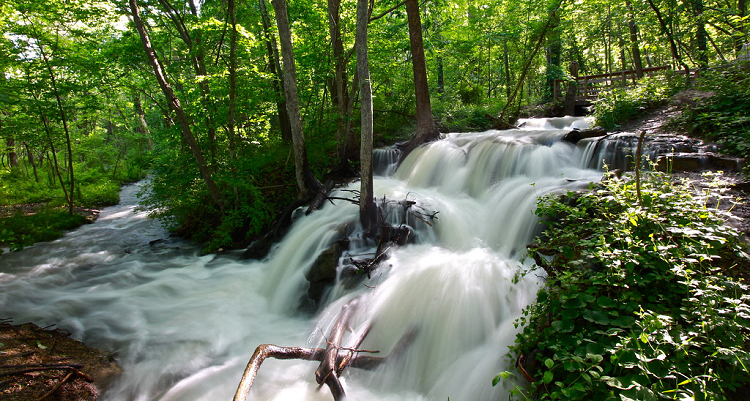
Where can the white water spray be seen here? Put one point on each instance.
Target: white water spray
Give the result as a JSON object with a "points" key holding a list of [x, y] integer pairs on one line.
{"points": [[183, 325]]}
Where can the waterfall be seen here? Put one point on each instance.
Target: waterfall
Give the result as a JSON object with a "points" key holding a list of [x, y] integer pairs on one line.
{"points": [[183, 325]]}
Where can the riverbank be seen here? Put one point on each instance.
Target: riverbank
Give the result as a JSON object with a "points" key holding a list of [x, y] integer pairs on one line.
{"points": [[45, 363]]}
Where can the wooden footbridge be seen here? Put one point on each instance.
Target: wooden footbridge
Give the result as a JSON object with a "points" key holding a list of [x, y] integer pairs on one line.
{"points": [[589, 87]]}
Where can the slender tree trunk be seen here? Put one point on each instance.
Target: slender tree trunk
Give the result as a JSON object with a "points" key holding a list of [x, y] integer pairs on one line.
{"points": [[519, 86], [10, 143], [367, 209], [30, 156], [664, 26], [701, 36], [554, 54], [56, 166], [176, 106], [307, 183], [634, 42], [740, 39], [196, 51], [232, 81], [64, 119], [275, 68], [426, 129], [339, 92]]}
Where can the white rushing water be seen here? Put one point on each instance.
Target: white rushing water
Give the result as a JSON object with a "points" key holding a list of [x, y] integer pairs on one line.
{"points": [[183, 325]]}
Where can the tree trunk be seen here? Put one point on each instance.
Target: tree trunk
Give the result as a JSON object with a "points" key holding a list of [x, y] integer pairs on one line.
{"points": [[10, 143], [340, 95], [367, 209], [554, 55], [64, 118], [664, 26], [426, 129], [196, 52], [176, 106], [701, 36], [634, 42], [307, 183], [502, 120], [232, 135], [30, 156], [740, 39], [275, 68]]}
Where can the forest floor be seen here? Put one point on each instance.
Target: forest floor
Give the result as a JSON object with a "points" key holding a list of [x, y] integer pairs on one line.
{"points": [[38, 363]]}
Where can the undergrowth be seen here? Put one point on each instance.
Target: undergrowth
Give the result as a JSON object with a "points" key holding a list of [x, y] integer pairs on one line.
{"points": [[620, 105], [644, 300], [724, 116]]}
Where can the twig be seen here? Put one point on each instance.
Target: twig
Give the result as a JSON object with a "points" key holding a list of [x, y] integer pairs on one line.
{"points": [[57, 386]]}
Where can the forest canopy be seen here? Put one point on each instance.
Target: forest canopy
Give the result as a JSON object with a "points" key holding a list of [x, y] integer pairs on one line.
{"points": [[84, 108]]}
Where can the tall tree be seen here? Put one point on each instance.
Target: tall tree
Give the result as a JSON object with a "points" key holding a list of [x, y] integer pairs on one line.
{"points": [[176, 106], [275, 68], [426, 129], [307, 184], [634, 42], [340, 94], [367, 209]]}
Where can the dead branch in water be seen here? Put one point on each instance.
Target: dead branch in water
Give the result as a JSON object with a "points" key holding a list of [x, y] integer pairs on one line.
{"points": [[333, 359]]}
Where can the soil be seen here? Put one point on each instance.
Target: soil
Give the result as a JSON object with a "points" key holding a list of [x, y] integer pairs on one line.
{"points": [[46, 364]]}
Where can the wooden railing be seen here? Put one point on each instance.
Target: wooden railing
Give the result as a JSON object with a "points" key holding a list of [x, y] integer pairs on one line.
{"points": [[590, 86]]}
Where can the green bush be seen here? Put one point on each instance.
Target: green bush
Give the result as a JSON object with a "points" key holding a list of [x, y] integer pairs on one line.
{"points": [[724, 116], [623, 104], [22, 230], [641, 302]]}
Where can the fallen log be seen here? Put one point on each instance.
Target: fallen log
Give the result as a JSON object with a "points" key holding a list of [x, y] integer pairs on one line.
{"points": [[333, 359]]}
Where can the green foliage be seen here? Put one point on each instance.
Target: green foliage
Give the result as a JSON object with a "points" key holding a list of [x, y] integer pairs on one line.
{"points": [[724, 115], [21, 230], [454, 117], [639, 302], [620, 105]]}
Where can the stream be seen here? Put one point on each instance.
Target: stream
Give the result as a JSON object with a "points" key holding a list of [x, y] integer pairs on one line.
{"points": [[183, 325]]}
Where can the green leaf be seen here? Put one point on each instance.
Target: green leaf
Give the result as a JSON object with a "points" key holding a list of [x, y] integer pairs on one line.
{"points": [[548, 376], [596, 316], [549, 363]]}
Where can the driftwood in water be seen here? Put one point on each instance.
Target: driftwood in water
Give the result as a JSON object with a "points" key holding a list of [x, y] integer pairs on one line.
{"points": [[333, 359]]}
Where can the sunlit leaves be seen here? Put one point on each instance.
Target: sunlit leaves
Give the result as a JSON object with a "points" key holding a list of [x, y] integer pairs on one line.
{"points": [[642, 310]]}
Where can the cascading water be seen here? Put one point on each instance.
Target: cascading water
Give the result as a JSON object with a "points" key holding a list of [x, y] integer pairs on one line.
{"points": [[183, 325]]}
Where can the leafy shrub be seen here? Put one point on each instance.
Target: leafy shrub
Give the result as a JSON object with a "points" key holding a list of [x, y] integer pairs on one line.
{"points": [[22, 230], [639, 302], [622, 104], [723, 117]]}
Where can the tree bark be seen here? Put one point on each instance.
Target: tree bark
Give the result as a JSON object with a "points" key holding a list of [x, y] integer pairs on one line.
{"points": [[426, 129], [64, 118], [176, 106], [307, 183], [635, 48], [340, 95], [664, 26], [275, 68], [10, 143], [741, 12], [367, 208], [502, 120]]}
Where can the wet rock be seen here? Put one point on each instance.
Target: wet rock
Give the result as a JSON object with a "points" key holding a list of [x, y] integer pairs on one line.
{"points": [[675, 162], [576, 135]]}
